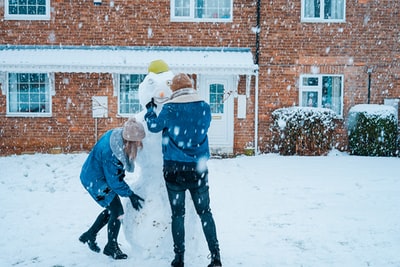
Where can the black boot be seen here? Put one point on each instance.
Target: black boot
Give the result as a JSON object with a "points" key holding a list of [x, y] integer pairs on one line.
{"points": [[215, 260], [178, 261], [112, 249], [90, 240], [89, 237]]}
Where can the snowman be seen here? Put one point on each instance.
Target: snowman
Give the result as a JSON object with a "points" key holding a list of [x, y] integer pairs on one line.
{"points": [[149, 228]]}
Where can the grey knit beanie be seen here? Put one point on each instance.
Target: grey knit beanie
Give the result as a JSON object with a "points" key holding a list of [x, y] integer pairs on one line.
{"points": [[133, 130]]}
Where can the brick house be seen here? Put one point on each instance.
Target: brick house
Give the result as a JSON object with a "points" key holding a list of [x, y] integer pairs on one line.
{"points": [[60, 61]]}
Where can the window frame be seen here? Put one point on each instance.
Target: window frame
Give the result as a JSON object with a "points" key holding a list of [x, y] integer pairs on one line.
{"points": [[49, 91], [322, 19], [217, 97], [117, 80], [192, 18], [318, 88], [8, 16]]}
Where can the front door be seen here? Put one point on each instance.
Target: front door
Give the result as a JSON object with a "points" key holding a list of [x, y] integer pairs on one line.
{"points": [[219, 91]]}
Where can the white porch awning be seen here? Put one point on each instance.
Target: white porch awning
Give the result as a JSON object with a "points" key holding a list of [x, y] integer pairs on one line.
{"points": [[110, 59]]}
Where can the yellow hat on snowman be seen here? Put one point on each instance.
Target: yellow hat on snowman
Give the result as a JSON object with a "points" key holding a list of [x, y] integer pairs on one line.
{"points": [[158, 66]]}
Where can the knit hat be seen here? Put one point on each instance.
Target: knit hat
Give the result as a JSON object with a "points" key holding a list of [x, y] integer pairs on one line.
{"points": [[133, 130], [158, 66], [181, 81]]}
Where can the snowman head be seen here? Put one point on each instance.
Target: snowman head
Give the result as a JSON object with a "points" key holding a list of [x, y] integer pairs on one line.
{"points": [[156, 84]]}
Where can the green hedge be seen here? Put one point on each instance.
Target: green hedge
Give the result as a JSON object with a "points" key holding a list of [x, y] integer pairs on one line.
{"points": [[303, 130], [373, 130]]}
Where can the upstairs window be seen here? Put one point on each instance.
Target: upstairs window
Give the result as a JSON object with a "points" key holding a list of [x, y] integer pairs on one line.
{"points": [[128, 96], [324, 91], [323, 10], [29, 94], [201, 10], [27, 9]]}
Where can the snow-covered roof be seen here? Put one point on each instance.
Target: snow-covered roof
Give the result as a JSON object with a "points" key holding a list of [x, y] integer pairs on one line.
{"points": [[112, 59]]}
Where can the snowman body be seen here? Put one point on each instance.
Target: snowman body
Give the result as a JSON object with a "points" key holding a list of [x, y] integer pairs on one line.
{"points": [[150, 227]]}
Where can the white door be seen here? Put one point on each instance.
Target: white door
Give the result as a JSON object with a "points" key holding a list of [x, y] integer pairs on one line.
{"points": [[218, 91]]}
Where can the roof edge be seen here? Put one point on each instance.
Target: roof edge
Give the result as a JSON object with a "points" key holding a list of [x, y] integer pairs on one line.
{"points": [[126, 48]]}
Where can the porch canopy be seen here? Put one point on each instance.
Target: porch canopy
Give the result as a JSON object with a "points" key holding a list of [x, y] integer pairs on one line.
{"points": [[124, 60]]}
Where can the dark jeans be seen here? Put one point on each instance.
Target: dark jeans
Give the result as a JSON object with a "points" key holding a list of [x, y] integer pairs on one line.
{"points": [[198, 189]]}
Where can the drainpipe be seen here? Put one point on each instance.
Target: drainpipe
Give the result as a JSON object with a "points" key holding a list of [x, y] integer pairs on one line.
{"points": [[258, 32], [256, 152], [369, 71], [258, 29]]}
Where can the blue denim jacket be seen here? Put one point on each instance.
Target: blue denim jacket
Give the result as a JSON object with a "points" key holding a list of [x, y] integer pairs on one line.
{"points": [[103, 172]]}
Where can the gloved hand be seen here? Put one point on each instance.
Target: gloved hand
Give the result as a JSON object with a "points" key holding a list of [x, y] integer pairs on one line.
{"points": [[135, 201], [151, 104]]}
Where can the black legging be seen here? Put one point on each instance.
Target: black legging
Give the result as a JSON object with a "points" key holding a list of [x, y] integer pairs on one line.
{"points": [[114, 223]]}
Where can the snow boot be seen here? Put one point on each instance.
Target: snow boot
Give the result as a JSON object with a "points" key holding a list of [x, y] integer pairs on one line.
{"points": [[90, 240], [112, 250], [215, 260], [89, 237], [178, 261]]}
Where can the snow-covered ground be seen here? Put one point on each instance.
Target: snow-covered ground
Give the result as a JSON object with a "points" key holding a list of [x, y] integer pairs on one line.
{"points": [[270, 210]]}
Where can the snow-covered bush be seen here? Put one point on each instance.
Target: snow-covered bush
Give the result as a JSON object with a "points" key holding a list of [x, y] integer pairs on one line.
{"points": [[303, 130], [372, 130]]}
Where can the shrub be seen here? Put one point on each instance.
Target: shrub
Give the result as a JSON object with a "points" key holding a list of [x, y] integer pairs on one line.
{"points": [[303, 130], [372, 130]]}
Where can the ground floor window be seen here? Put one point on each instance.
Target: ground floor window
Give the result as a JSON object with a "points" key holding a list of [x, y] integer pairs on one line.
{"points": [[128, 93], [322, 91], [28, 94]]}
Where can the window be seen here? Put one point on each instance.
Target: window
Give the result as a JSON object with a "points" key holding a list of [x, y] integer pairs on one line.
{"points": [[217, 98], [201, 10], [323, 10], [27, 9], [128, 97], [28, 94], [322, 91]]}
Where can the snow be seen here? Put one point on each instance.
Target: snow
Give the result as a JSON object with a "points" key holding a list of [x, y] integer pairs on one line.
{"points": [[125, 59], [270, 210], [383, 111]]}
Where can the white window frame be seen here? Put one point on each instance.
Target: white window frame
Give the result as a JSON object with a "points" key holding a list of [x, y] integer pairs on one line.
{"points": [[8, 16], [49, 87], [191, 17], [321, 18], [117, 87], [318, 90]]}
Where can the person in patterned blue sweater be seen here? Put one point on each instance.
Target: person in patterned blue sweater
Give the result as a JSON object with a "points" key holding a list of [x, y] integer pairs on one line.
{"points": [[184, 121]]}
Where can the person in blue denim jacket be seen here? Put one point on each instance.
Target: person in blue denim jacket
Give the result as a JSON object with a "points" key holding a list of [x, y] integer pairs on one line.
{"points": [[184, 121], [103, 175]]}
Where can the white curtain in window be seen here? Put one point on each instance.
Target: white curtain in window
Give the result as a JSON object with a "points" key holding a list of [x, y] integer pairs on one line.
{"points": [[309, 8], [337, 9], [336, 94], [12, 92], [214, 8]]}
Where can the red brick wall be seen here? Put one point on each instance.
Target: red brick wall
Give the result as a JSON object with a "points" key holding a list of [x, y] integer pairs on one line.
{"points": [[71, 127], [368, 39]]}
